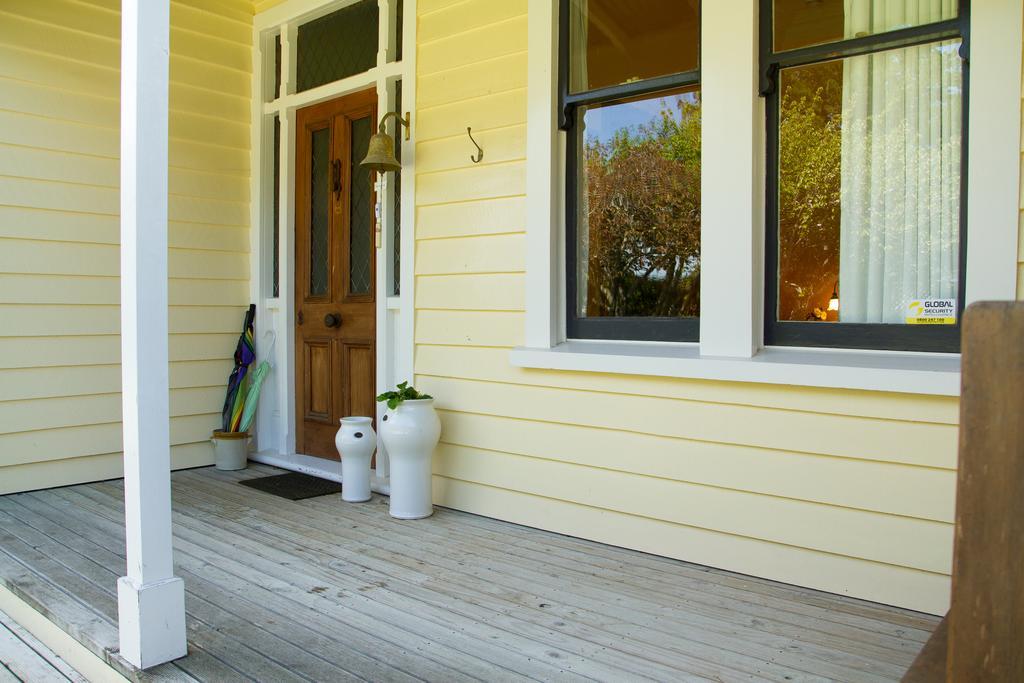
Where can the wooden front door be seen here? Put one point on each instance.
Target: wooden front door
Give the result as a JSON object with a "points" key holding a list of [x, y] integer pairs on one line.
{"points": [[335, 269]]}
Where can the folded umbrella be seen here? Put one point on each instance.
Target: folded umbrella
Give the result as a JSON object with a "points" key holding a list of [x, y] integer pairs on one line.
{"points": [[252, 395], [245, 354]]}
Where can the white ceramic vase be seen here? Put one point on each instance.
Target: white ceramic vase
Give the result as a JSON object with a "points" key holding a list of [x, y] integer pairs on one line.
{"points": [[356, 442], [410, 433]]}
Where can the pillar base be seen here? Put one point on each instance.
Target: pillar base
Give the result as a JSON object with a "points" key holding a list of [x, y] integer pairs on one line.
{"points": [[151, 621]]}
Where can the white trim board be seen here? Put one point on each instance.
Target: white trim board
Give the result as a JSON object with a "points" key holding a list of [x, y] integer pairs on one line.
{"points": [[317, 467], [993, 150], [913, 373], [733, 189], [275, 429]]}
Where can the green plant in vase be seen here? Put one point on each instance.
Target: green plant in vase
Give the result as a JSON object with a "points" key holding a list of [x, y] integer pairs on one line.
{"points": [[404, 393]]}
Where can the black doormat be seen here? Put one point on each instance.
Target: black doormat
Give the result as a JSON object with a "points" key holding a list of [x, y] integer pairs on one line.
{"points": [[293, 486]]}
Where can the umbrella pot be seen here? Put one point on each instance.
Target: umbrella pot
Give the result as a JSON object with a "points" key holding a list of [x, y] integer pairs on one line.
{"points": [[230, 450]]}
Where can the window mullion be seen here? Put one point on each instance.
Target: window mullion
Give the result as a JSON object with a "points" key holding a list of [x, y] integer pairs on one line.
{"points": [[635, 89], [544, 284], [288, 59], [732, 152], [908, 37]]}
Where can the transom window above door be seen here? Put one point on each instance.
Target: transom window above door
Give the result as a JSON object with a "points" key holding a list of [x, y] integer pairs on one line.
{"points": [[630, 103], [340, 44]]}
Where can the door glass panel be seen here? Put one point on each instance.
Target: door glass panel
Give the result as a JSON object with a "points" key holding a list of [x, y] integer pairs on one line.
{"points": [[613, 42], [319, 212], [341, 44], [361, 212]]}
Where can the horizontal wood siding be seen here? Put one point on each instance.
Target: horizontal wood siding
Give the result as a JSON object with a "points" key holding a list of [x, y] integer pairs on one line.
{"points": [[847, 491], [60, 406]]}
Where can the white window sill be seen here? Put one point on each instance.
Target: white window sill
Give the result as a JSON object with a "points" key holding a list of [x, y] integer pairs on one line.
{"points": [[913, 373]]}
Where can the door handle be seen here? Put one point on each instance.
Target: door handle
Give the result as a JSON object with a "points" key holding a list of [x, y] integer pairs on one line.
{"points": [[298, 317], [332, 320], [336, 178]]}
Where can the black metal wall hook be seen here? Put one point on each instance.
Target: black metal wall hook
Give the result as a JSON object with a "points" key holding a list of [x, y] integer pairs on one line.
{"points": [[479, 152]]}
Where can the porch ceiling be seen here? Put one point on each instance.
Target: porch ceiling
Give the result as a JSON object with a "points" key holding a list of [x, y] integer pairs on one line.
{"points": [[317, 589]]}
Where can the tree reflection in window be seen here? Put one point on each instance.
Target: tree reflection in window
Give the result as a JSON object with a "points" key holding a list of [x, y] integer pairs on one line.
{"points": [[810, 151], [639, 216]]}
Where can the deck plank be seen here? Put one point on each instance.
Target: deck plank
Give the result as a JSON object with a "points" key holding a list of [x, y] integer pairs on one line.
{"points": [[437, 572], [26, 659], [100, 529], [206, 578], [96, 586], [310, 586], [322, 590], [51, 657], [872, 618], [672, 613], [200, 614], [331, 556], [231, 653]]}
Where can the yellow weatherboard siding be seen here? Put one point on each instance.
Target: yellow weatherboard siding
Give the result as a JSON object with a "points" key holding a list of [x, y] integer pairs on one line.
{"points": [[60, 406], [847, 491]]}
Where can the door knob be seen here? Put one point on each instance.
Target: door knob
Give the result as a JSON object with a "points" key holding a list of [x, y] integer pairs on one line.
{"points": [[332, 320]]}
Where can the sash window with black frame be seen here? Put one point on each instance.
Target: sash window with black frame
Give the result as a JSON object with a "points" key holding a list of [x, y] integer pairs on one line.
{"points": [[866, 201], [629, 91]]}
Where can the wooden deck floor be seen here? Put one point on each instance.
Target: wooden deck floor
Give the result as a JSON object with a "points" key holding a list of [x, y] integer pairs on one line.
{"points": [[23, 659], [326, 591]]}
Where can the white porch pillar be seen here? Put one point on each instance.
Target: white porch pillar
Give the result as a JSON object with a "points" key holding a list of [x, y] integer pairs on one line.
{"points": [[151, 601]]}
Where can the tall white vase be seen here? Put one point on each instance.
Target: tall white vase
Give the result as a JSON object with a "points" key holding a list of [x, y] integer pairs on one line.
{"points": [[410, 433], [356, 442]]}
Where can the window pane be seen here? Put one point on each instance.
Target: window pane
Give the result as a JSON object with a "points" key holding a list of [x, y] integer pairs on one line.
{"points": [[799, 23], [277, 67], [613, 42], [869, 186], [396, 215], [338, 45], [638, 207], [277, 207], [319, 212], [361, 214], [397, 29]]}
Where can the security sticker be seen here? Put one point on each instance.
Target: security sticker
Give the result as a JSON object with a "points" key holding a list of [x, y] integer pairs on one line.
{"points": [[931, 312]]}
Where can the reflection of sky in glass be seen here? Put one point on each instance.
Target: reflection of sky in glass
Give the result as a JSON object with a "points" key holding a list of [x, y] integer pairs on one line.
{"points": [[601, 123]]}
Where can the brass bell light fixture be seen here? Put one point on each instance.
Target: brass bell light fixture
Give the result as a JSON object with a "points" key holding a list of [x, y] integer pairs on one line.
{"points": [[380, 154]]}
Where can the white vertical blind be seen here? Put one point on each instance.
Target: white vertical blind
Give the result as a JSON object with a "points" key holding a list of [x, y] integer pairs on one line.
{"points": [[900, 181]]}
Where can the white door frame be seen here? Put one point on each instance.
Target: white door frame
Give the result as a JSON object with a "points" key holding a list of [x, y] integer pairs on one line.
{"points": [[275, 426]]}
